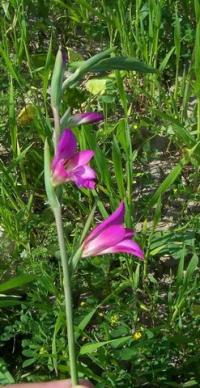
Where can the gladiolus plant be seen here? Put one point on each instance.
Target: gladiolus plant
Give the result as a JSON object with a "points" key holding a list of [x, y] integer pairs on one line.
{"points": [[70, 165]]}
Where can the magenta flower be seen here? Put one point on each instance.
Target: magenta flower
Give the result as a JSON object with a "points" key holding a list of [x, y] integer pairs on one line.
{"points": [[70, 165], [86, 118], [111, 237]]}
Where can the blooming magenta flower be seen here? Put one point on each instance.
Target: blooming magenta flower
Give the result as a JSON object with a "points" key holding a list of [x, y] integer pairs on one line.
{"points": [[70, 165], [111, 237], [86, 118]]}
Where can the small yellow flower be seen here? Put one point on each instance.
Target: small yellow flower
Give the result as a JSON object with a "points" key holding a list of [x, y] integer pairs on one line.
{"points": [[135, 126], [82, 303], [42, 350], [114, 319], [137, 335]]}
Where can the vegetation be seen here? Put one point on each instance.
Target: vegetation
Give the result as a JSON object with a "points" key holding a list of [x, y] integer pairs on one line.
{"points": [[136, 323]]}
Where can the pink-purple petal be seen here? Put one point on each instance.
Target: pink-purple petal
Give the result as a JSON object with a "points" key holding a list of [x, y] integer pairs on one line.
{"points": [[88, 184], [66, 148], [82, 182], [126, 246], [129, 233], [84, 172], [83, 176], [87, 172], [115, 218], [59, 173], [80, 159], [86, 118], [106, 239]]}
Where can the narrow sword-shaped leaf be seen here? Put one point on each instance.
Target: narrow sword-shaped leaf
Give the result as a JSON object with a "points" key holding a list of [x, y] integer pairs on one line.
{"points": [[16, 282], [89, 348], [116, 157], [84, 68], [122, 63], [169, 180]]}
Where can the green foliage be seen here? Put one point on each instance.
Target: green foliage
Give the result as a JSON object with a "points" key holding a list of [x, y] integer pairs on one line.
{"points": [[135, 325]]}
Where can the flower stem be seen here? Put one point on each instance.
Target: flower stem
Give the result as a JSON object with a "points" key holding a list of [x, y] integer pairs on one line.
{"points": [[68, 296], [56, 118]]}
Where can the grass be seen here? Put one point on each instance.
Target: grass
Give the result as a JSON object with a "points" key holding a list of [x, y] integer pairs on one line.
{"points": [[146, 152]]}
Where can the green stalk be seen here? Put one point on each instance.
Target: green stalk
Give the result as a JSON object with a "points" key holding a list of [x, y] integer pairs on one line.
{"points": [[56, 125], [145, 270], [198, 118], [68, 296], [129, 175], [146, 258]]}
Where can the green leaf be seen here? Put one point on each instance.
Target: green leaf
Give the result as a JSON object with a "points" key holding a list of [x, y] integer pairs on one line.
{"points": [[167, 183], [12, 118], [157, 250], [59, 323], [9, 302], [28, 362], [122, 63], [136, 277], [17, 282], [177, 35], [102, 164], [180, 272], [5, 376], [191, 267], [84, 68], [88, 223], [21, 155], [90, 348], [47, 70], [128, 354], [100, 159], [166, 60], [182, 134], [65, 119], [84, 322], [97, 86], [190, 383], [9, 65], [5, 6], [117, 161], [197, 53], [121, 134]]}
